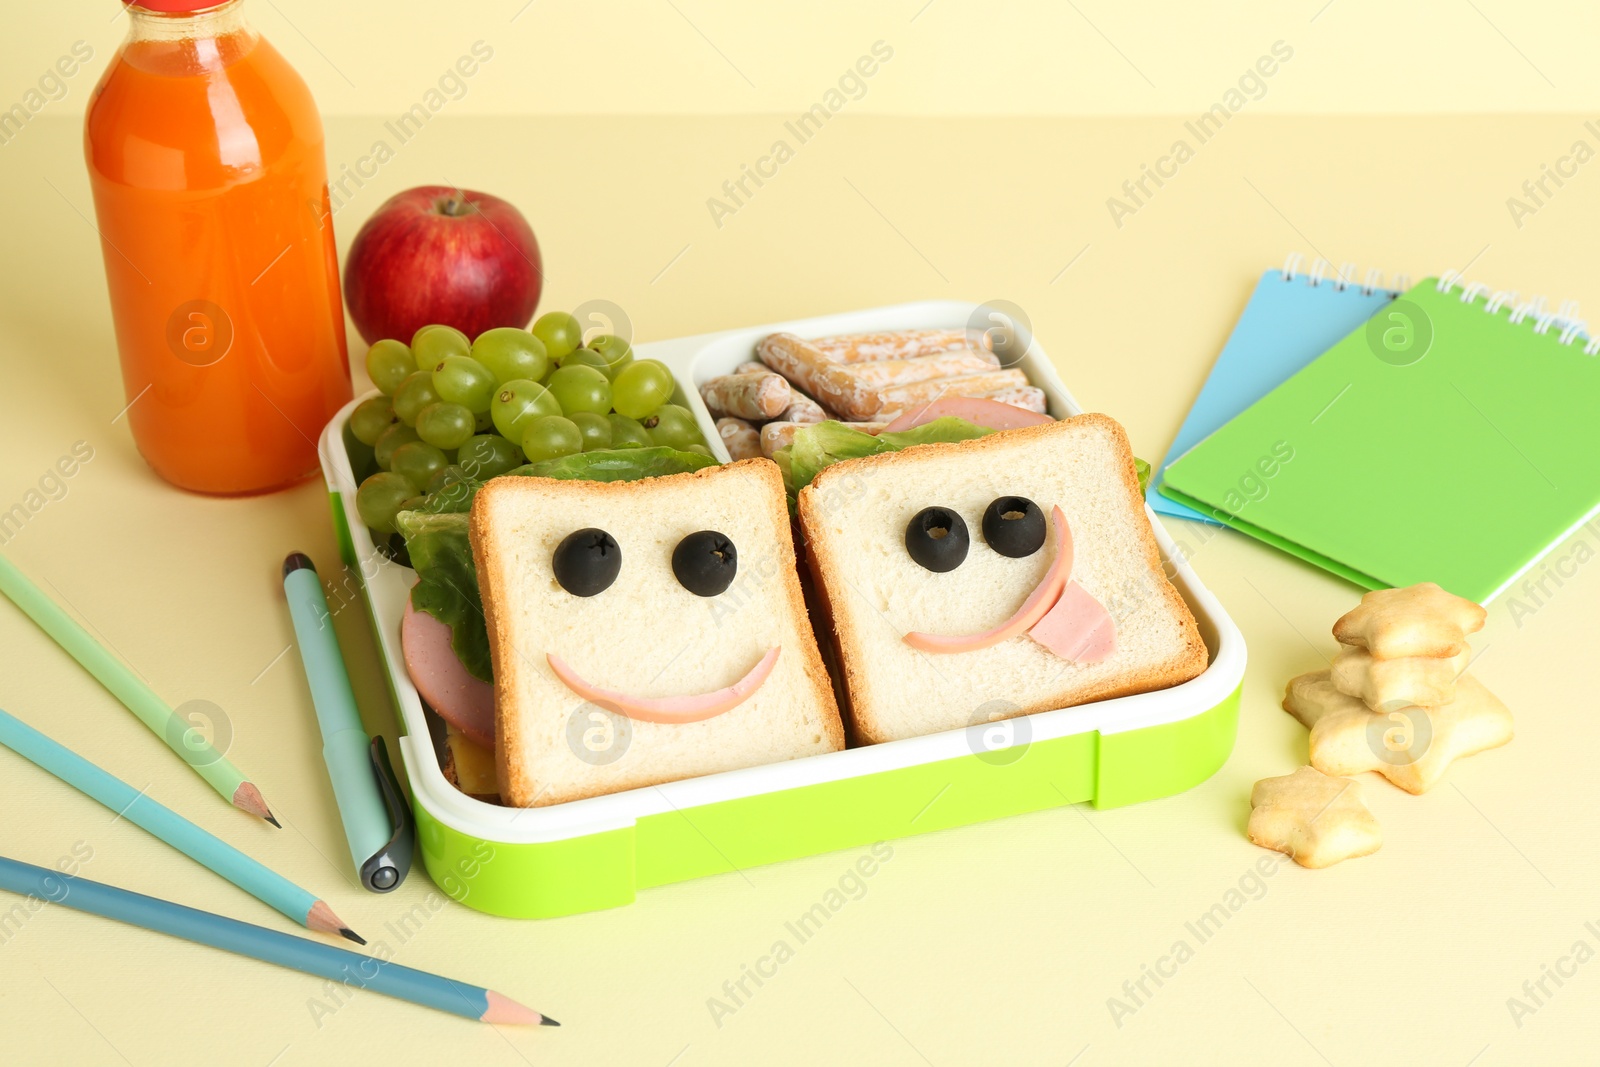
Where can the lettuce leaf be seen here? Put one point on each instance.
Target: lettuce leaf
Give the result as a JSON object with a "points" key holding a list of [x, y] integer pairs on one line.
{"points": [[436, 537], [618, 464], [825, 443], [447, 583]]}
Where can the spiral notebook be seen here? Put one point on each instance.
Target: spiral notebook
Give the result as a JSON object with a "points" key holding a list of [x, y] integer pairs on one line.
{"points": [[1454, 437], [1292, 318]]}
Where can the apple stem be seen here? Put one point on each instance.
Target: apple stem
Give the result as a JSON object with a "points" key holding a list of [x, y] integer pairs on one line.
{"points": [[454, 207]]}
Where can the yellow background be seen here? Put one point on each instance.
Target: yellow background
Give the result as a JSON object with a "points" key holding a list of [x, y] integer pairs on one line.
{"points": [[1037, 57], [998, 943]]}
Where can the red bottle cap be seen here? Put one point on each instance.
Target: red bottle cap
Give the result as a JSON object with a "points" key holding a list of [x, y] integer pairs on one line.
{"points": [[174, 7]]}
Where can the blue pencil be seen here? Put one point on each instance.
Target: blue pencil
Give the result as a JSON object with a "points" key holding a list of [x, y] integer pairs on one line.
{"points": [[270, 946], [259, 881]]}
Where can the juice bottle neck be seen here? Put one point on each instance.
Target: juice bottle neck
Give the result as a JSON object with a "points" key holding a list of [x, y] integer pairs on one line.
{"points": [[221, 20], [187, 43]]}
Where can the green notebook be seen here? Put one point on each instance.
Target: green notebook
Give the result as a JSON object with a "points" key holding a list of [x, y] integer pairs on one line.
{"points": [[1454, 438]]}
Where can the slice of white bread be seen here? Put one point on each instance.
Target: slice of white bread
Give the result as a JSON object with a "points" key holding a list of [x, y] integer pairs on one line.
{"points": [[645, 635], [854, 517]]}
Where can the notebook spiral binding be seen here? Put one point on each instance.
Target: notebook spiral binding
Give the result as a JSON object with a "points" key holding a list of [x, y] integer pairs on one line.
{"points": [[1565, 317], [1371, 282]]}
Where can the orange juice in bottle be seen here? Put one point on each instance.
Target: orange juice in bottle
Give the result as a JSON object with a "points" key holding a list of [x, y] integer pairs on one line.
{"points": [[205, 154]]}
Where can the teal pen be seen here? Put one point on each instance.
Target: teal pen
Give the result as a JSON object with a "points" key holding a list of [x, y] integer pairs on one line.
{"points": [[377, 824], [203, 847]]}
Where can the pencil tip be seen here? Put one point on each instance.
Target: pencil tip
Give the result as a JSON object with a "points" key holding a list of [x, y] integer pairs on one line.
{"points": [[322, 919], [502, 1009], [248, 798]]}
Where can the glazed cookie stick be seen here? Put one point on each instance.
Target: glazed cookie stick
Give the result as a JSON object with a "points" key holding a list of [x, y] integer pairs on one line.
{"points": [[898, 344], [801, 407], [760, 395], [742, 440]]}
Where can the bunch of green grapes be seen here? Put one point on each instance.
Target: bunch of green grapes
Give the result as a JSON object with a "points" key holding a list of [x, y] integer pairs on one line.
{"points": [[452, 409]]}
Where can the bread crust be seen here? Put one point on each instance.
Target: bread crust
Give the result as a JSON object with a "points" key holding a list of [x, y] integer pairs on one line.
{"points": [[864, 722], [518, 786]]}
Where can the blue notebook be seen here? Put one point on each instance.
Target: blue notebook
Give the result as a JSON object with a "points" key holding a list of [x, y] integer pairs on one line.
{"points": [[1291, 319]]}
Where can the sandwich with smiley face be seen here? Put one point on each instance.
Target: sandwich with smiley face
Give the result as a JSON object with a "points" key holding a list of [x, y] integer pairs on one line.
{"points": [[646, 631], [980, 580]]}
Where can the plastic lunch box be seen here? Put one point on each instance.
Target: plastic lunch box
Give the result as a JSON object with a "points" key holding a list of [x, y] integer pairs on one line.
{"points": [[598, 853]]}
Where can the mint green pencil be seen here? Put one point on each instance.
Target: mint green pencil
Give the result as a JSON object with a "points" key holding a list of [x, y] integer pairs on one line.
{"points": [[137, 697], [200, 845]]}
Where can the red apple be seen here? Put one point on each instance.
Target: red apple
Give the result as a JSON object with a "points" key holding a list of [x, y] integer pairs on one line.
{"points": [[438, 254]]}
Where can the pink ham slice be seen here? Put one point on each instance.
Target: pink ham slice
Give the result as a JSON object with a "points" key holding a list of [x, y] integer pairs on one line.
{"points": [[976, 410], [1078, 628], [1040, 601], [465, 702], [1059, 614], [669, 710]]}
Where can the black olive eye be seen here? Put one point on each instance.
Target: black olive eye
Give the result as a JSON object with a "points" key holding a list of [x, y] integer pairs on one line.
{"points": [[705, 563], [1014, 526], [937, 539], [586, 561]]}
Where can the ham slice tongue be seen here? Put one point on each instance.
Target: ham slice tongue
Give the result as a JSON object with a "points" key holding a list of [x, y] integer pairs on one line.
{"points": [[1077, 628], [1033, 609], [1059, 614]]}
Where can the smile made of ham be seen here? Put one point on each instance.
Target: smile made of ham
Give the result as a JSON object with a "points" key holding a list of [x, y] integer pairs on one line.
{"points": [[1059, 614], [669, 710]]}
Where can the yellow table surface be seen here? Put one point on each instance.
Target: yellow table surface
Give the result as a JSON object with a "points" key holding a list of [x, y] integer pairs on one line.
{"points": [[998, 943]]}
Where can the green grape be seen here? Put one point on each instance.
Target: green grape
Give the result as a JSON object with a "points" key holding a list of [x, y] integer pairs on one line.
{"points": [[417, 462], [430, 344], [700, 450], [596, 429], [463, 380], [579, 388], [391, 439], [559, 331], [483, 422], [641, 387], [438, 326], [380, 498], [414, 394], [388, 364], [550, 437], [371, 417], [627, 433], [446, 476], [614, 350], [488, 456], [517, 404], [510, 353], [586, 357], [674, 427], [444, 425]]}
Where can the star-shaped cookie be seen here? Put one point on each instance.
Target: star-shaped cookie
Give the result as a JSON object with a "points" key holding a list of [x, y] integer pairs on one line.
{"points": [[1410, 746], [1390, 684], [1313, 818], [1419, 620]]}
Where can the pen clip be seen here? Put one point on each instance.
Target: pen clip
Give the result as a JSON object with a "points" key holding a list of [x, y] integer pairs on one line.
{"points": [[388, 867]]}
